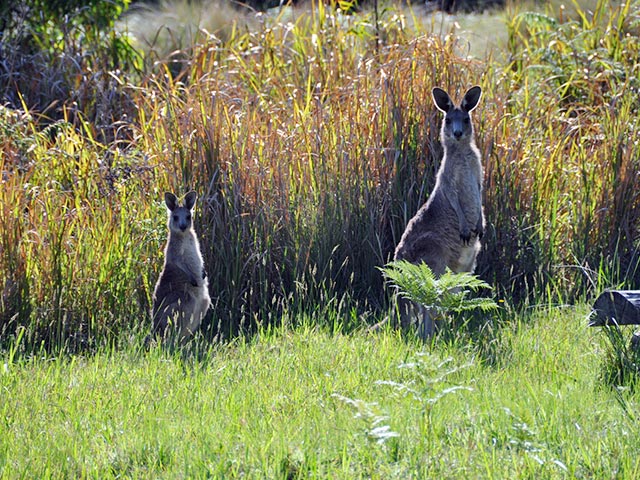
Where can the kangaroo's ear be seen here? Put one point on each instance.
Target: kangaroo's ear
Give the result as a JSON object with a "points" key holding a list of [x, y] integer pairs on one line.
{"points": [[190, 199], [471, 99], [442, 100], [171, 200]]}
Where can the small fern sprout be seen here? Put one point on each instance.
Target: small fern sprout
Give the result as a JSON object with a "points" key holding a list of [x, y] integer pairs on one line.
{"points": [[446, 293]]}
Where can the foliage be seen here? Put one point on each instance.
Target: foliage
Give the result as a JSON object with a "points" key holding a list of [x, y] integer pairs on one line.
{"points": [[622, 362], [57, 61], [165, 33], [311, 138], [447, 293], [570, 214]]}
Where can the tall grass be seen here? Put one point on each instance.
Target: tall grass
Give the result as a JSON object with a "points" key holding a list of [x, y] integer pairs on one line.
{"points": [[305, 145], [311, 139], [74, 267], [569, 123]]}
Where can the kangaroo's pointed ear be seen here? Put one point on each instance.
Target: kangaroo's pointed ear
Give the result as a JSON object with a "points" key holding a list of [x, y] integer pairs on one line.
{"points": [[442, 100], [190, 199], [171, 200], [471, 99]]}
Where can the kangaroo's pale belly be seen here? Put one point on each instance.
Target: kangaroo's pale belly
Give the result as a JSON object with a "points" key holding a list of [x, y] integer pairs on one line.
{"points": [[467, 258]]}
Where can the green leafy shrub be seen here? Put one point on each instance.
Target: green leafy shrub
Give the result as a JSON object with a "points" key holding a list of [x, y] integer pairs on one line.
{"points": [[446, 293], [64, 59]]}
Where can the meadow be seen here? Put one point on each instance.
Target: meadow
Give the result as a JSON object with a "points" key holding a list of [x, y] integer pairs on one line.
{"points": [[311, 403], [311, 139]]}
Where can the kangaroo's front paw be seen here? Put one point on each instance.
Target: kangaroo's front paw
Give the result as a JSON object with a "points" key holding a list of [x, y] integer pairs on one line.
{"points": [[465, 236], [479, 232]]}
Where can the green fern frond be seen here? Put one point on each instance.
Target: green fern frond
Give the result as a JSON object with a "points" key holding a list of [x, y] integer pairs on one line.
{"points": [[413, 281], [417, 283], [464, 280]]}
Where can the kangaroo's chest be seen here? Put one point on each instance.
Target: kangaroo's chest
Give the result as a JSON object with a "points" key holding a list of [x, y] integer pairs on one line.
{"points": [[192, 260], [187, 254], [464, 178]]}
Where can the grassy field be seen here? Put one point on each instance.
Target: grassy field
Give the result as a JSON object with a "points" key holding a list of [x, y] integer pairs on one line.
{"points": [[526, 402]]}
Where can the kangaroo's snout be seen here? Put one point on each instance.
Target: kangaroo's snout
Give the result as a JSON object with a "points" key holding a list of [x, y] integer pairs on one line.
{"points": [[457, 124], [457, 129], [180, 222]]}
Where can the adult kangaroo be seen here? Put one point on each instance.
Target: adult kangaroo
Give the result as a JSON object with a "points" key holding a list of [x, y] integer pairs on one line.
{"points": [[446, 231]]}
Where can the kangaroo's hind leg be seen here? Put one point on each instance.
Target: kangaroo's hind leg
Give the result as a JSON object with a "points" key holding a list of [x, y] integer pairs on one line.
{"points": [[404, 313], [190, 319], [426, 327], [167, 318], [426, 316], [408, 310]]}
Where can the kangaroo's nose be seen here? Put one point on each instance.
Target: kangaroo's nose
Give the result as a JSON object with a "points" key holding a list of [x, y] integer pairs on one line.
{"points": [[457, 133]]}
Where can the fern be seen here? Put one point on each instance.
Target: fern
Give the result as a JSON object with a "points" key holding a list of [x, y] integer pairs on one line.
{"points": [[449, 292]]}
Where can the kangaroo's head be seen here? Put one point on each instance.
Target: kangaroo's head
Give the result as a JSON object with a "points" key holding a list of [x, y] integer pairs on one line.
{"points": [[457, 122], [180, 212]]}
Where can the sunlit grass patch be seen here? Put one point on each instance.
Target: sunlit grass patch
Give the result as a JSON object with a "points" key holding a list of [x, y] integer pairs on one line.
{"points": [[310, 402]]}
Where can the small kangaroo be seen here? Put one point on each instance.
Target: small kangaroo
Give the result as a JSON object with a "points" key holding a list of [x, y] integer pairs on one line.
{"points": [[446, 231], [181, 297]]}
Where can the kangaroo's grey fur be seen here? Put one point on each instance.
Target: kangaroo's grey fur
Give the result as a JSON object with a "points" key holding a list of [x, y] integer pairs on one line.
{"points": [[446, 231], [181, 297]]}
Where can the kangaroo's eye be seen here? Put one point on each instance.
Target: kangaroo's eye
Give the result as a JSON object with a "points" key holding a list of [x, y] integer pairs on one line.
{"points": [[176, 218], [189, 217], [467, 121], [447, 121]]}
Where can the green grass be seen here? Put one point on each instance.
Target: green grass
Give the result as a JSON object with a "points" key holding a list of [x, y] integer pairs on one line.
{"points": [[307, 403]]}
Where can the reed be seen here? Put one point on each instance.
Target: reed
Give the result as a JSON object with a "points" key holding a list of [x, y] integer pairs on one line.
{"points": [[311, 140]]}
